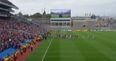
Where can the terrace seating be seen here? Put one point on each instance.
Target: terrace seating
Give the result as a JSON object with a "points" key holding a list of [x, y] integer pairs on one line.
{"points": [[12, 33], [16, 35]]}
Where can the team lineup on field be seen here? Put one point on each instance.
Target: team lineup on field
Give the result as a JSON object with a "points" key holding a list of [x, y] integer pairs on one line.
{"points": [[87, 46]]}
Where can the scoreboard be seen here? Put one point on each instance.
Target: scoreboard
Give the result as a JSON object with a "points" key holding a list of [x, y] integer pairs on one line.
{"points": [[60, 13], [60, 19]]}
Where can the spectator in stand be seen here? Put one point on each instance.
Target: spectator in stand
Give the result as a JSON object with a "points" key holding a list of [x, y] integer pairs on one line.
{"points": [[12, 33]]}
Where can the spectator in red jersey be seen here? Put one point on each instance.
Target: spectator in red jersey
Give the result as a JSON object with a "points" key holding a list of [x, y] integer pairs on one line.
{"points": [[12, 33]]}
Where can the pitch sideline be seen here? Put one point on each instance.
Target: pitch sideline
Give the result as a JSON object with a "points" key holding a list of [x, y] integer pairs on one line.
{"points": [[46, 50]]}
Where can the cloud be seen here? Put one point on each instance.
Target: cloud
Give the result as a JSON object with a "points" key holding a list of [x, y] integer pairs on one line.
{"points": [[78, 7]]}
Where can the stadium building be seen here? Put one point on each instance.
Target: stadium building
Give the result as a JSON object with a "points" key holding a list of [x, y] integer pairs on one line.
{"points": [[60, 19], [6, 9], [97, 23]]}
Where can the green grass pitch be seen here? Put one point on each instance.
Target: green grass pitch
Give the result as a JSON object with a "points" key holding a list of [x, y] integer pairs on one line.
{"points": [[88, 46]]}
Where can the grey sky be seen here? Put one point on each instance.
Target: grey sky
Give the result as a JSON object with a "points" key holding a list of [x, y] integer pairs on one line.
{"points": [[78, 7]]}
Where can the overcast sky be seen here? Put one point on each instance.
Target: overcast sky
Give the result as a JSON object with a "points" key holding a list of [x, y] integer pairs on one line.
{"points": [[78, 7]]}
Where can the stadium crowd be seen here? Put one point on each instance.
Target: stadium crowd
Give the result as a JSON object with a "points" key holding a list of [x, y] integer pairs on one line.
{"points": [[12, 33]]}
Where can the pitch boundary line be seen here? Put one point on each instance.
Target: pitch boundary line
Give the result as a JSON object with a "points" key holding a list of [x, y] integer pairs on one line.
{"points": [[46, 50]]}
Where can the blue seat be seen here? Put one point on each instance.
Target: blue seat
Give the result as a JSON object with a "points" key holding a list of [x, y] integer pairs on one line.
{"points": [[5, 53]]}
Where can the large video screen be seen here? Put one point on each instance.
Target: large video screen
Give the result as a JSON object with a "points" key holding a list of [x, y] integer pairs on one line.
{"points": [[60, 13]]}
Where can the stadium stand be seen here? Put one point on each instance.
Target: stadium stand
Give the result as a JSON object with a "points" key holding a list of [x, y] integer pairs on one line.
{"points": [[15, 36], [6, 8], [98, 24]]}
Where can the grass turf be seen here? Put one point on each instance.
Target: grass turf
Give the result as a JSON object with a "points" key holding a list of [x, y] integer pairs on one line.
{"points": [[89, 46]]}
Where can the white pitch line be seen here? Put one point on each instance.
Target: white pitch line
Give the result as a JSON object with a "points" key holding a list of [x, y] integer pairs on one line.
{"points": [[46, 51]]}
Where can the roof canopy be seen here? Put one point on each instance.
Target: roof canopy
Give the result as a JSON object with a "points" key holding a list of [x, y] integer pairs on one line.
{"points": [[8, 3]]}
